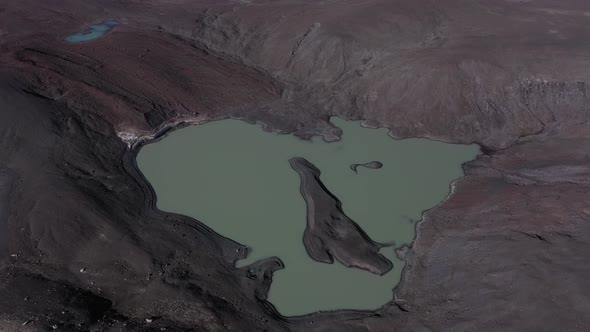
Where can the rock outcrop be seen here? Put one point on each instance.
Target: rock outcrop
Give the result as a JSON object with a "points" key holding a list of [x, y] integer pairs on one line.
{"points": [[371, 165], [330, 233]]}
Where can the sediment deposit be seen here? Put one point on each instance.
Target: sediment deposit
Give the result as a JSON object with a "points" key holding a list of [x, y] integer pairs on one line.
{"points": [[330, 234], [371, 165]]}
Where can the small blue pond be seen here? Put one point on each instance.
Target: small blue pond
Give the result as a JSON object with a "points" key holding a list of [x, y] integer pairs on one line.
{"points": [[93, 32]]}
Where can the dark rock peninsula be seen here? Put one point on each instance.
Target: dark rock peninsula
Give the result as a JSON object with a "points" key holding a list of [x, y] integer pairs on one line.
{"points": [[330, 234], [372, 165]]}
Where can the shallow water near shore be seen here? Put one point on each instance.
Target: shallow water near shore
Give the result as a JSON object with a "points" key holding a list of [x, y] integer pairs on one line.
{"points": [[93, 32], [236, 178]]}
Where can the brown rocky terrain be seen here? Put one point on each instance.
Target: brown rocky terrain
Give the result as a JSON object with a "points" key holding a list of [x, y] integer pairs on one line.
{"points": [[82, 247]]}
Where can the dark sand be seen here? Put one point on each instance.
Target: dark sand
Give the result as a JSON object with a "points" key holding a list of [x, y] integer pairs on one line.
{"points": [[6, 184]]}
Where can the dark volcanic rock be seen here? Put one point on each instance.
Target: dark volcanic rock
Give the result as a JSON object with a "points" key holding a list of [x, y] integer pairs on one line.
{"points": [[330, 233], [7, 179], [47, 304], [262, 271], [96, 230], [371, 164], [157, 117]]}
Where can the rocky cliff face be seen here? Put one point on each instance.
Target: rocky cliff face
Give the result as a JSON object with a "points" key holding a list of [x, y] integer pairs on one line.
{"points": [[83, 248]]}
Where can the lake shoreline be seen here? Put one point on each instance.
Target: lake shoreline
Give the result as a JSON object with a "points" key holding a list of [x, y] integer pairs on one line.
{"points": [[166, 130]]}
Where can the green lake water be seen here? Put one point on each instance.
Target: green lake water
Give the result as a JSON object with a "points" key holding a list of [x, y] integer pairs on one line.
{"points": [[236, 178], [93, 32]]}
